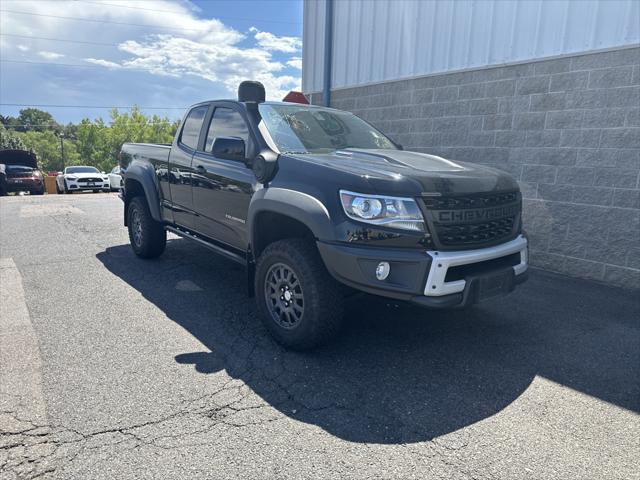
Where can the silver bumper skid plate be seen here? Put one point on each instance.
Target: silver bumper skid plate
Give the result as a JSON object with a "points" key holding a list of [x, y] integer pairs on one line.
{"points": [[442, 261]]}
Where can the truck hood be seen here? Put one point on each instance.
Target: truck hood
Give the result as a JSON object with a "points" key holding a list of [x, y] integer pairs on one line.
{"points": [[412, 173]]}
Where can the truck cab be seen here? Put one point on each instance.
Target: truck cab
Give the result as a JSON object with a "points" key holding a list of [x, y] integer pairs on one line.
{"points": [[317, 203]]}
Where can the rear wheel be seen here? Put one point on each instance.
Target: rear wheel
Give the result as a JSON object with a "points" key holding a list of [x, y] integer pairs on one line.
{"points": [[300, 303], [148, 238]]}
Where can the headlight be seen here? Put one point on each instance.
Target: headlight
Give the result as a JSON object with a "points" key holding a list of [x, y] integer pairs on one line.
{"points": [[392, 212], [72, 178]]}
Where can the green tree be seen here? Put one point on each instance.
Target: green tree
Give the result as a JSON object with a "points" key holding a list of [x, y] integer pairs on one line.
{"points": [[95, 143], [33, 119], [47, 147], [99, 144], [8, 141]]}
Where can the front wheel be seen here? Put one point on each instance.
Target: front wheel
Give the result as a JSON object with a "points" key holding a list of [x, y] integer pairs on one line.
{"points": [[148, 237], [301, 304]]}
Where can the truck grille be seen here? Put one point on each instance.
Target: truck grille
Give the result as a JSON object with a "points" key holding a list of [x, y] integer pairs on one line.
{"points": [[473, 221], [474, 234], [470, 201]]}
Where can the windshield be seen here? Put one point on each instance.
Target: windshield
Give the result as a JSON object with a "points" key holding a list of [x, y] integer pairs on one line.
{"points": [[302, 129], [19, 169], [81, 170]]}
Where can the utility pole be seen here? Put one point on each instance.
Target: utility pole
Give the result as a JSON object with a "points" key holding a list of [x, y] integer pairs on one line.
{"points": [[62, 148]]}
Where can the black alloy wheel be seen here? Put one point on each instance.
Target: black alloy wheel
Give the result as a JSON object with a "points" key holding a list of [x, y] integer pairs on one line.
{"points": [[300, 303], [284, 295]]}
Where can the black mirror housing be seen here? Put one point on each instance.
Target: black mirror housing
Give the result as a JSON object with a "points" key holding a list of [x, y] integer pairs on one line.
{"points": [[265, 166], [230, 148]]}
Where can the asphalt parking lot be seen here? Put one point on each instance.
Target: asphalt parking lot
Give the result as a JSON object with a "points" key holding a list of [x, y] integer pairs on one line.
{"points": [[115, 367]]}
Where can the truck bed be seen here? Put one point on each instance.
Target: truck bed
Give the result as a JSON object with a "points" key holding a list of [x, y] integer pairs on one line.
{"points": [[151, 151]]}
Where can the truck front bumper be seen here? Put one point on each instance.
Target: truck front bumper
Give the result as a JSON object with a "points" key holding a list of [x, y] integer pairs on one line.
{"points": [[435, 279]]}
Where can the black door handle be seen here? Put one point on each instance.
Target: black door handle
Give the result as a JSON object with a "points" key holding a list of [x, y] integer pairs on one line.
{"points": [[201, 169]]}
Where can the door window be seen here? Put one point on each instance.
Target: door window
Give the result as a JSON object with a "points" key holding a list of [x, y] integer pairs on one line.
{"points": [[226, 123], [192, 126]]}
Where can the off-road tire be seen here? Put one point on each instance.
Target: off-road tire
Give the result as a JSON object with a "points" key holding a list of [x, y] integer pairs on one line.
{"points": [[323, 300], [148, 237]]}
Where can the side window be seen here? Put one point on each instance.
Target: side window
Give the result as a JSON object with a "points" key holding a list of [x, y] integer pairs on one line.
{"points": [[226, 123], [192, 126]]}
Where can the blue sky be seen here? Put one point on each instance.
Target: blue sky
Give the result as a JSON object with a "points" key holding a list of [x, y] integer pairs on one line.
{"points": [[153, 53]]}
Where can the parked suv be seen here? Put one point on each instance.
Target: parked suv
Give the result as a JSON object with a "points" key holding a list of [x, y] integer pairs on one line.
{"points": [[19, 173], [315, 202], [20, 178]]}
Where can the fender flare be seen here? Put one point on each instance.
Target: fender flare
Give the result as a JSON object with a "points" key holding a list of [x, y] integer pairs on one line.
{"points": [[146, 176], [298, 205]]}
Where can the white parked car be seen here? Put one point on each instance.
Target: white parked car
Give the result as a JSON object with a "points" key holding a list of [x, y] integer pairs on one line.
{"points": [[82, 178], [115, 178]]}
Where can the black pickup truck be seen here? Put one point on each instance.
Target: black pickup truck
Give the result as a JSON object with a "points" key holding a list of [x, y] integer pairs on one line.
{"points": [[316, 203]]}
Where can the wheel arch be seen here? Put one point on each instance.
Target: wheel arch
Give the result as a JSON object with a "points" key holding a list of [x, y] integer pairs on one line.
{"points": [[285, 214], [141, 181], [278, 213]]}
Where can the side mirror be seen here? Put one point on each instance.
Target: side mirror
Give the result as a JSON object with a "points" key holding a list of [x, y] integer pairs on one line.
{"points": [[103, 173], [231, 148], [265, 166]]}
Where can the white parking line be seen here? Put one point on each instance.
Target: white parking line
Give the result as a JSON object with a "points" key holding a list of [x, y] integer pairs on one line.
{"points": [[21, 401]]}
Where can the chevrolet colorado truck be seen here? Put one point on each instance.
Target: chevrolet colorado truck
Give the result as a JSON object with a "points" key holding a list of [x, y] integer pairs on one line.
{"points": [[315, 202]]}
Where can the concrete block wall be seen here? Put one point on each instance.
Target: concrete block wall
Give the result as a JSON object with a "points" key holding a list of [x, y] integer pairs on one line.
{"points": [[568, 129]]}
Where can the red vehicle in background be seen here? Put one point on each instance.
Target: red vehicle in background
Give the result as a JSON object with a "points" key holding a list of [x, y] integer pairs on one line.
{"points": [[19, 173]]}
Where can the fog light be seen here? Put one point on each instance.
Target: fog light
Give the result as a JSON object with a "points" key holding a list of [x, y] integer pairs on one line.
{"points": [[382, 270]]}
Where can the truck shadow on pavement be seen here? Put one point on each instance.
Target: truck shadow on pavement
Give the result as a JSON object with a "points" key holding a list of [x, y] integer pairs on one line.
{"points": [[400, 374]]}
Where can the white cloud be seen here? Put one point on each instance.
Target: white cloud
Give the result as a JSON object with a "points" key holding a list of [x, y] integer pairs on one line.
{"points": [[23, 48], [295, 62], [50, 55], [272, 42], [218, 62], [103, 63], [205, 48]]}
